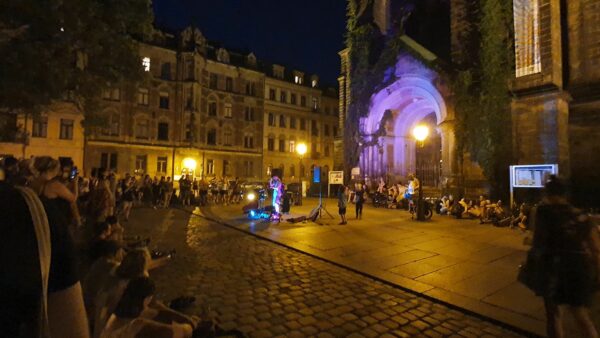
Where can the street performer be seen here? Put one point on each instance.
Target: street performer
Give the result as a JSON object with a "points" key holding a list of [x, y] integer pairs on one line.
{"points": [[277, 186]]}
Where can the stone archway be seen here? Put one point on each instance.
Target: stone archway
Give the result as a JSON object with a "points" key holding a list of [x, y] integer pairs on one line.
{"points": [[399, 107]]}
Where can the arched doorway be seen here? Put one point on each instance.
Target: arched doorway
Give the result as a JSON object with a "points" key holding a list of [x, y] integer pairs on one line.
{"points": [[388, 149]]}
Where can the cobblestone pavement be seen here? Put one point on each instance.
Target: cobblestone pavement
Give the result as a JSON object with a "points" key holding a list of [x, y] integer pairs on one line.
{"points": [[266, 290]]}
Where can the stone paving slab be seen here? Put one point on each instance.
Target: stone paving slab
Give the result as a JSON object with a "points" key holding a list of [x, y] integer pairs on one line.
{"points": [[267, 290], [462, 262]]}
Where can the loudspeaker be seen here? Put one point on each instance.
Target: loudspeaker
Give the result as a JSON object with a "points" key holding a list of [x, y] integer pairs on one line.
{"points": [[277, 172], [297, 219], [317, 175], [314, 213]]}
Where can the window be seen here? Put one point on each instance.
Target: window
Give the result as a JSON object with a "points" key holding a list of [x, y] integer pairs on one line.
{"points": [[272, 94], [190, 69], [212, 108], [302, 170], [335, 131], [303, 101], [249, 168], [210, 167], [142, 129], [142, 97], [228, 110], [226, 168], [269, 169], [163, 131], [282, 145], [213, 81], [227, 137], [250, 88], [292, 146], [271, 119], [527, 37], [165, 71], [40, 127], [326, 150], [282, 121], [108, 160], [326, 130], [302, 124], [161, 164], [315, 104], [293, 98], [141, 161], [314, 83], [146, 64], [163, 103], [66, 129], [283, 96], [313, 149], [327, 110], [249, 114], [248, 141], [292, 122], [113, 126], [229, 84], [292, 170], [211, 137], [313, 128], [271, 144], [298, 79], [112, 94]]}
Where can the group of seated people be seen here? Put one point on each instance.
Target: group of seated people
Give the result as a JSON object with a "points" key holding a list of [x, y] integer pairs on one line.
{"points": [[484, 210]]}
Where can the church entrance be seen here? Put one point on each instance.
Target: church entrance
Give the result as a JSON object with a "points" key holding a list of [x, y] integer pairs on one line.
{"points": [[389, 150]]}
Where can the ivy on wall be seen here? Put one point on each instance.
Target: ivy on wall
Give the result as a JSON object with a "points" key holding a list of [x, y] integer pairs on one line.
{"points": [[481, 96]]}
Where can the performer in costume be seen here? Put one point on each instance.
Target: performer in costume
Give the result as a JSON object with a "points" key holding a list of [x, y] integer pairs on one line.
{"points": [[277, 186]]}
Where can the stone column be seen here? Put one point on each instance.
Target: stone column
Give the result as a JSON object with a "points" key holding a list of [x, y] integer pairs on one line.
{"points": [[450, 168]]}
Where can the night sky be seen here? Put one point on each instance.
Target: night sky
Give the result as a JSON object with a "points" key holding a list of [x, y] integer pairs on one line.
{"points": [[304, 34]]}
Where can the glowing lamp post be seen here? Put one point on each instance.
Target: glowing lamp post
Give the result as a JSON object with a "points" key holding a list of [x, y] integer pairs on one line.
{"points": [[301, 150], [420, 134], [189, 164]]}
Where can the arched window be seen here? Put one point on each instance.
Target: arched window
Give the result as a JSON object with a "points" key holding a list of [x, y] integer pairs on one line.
{"points": [[271, 143], [211, 137], [292, 170], [281, 121], [212, 107]]}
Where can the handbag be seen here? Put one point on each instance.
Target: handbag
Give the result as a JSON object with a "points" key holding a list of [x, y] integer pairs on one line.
{"points": [[537, 272]]}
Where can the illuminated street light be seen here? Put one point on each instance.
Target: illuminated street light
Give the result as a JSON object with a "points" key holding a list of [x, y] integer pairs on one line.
{"points": [[189, 163], [301, 150], [420, 133]]}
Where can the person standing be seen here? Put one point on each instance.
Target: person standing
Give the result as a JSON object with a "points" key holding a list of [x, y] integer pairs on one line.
{"points": [[342, 196], [359, 200], [168, 189], [565, 257]]}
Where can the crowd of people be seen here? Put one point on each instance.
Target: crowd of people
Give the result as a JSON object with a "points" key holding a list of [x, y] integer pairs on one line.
{"points": [[81, 273]]}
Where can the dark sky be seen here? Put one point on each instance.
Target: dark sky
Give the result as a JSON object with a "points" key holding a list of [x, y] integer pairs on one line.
{"points": [[304, 34]]}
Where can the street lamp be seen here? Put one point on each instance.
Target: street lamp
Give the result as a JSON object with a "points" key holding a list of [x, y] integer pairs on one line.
{"points": [[420, 133], [301, 149]]}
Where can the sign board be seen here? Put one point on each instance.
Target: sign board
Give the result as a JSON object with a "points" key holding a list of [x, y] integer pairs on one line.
{"points": [[355, 173], [530, 176], [317, 175], [336, 177]]}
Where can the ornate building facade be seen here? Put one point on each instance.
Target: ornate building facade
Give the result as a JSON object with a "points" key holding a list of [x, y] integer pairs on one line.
{"points": [[205, 110]]}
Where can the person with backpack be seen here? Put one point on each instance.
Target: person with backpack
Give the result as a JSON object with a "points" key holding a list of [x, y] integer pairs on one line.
{"points": [[562, 265]]}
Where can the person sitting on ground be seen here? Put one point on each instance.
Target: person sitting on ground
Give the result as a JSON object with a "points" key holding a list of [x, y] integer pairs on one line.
{"points": [[522, 220], [444, 205], [136, 263], [134, 315], [116, 229], [457, 209], [110, 254]]}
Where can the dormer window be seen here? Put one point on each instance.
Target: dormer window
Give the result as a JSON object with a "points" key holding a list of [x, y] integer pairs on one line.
{"points": [[146, 64], [222, 55], [314, 83], [278, 71], [251, 59], [298, 77]]}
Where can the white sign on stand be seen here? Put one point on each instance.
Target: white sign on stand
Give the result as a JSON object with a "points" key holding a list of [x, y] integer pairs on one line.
{"points": [[335, 177], [530, 176]]}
